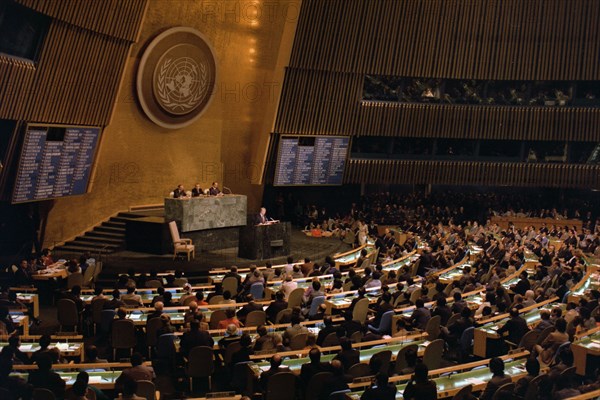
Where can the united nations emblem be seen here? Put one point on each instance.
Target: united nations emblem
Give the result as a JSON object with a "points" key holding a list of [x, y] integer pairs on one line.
{"points": [[176, 77]]}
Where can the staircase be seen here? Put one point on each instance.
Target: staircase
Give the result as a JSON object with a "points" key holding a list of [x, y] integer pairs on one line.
{"points": [[106, 238]]}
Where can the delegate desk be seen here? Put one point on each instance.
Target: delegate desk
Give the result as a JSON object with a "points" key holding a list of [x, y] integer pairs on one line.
{"points": [[448, 386], [487, 341], [30, 299], [73, 349], [207, 212], [586, 352], [522, 222]]}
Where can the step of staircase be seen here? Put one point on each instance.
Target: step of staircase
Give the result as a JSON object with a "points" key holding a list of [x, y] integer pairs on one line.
{"points": [[106, 237]]}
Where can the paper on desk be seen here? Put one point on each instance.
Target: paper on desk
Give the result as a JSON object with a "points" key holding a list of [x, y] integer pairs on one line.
{"points": [[594, 345], [25, 347], [95, 379], [62, 346], [475, 381], [264, 368]]}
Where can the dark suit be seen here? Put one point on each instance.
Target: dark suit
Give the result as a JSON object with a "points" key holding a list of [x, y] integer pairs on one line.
{"points": [[47, 380], [192, 339], [178, 193], [274, 308], [444, 312], [264, 377], [516, 328], [197, 192], [348, 358], [420, 317], [326, 330], [260, 219], [213, 191], [309, 370]]}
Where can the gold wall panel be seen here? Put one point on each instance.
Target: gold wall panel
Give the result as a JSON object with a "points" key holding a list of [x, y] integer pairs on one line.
{"points": [[140, 163]]}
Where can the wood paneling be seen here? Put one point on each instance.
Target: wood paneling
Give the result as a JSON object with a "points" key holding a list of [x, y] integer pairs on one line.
{"points": [[475, 39], [328, 103], [77, 76], [116, 18], [472, 173]]}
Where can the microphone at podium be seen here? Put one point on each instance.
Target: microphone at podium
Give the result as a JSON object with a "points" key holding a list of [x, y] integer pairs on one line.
{"points": [[226, 190]]}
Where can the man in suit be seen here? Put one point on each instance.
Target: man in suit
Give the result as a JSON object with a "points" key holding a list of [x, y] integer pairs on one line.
{"points": [[275, 368], [276, 306], [214, 189], [261, 217], [179, 192], [314, 366], [326, 330], [516, 327], [197, 191], [420, 316], [195, 337]]}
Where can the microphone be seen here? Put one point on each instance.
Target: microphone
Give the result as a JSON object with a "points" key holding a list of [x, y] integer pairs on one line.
{"points": [[228, 190]]}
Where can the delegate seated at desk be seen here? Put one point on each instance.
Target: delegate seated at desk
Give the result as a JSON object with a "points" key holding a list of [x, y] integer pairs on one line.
{"points": [[214, 189], [179, 192], [197, 191]]}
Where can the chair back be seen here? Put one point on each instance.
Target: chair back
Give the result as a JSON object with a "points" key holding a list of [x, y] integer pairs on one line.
{"points": [[356, 337], [528, 340], [216, 299], [401, 358], [464, 393], [107, 319], [331, 340], [231, 349], [569, 372], [146, 389], [453, 318], [230, 283], [466, 341], [97, 270], [415, 267], [123, 334], [316, 384], [365, 263], [281, 386], [187, 300], [75, 279], [179, 282], [283, 313], [165, 347], [359, 370], [257, 290], [385, 325], [544, 334], [174, 231], [152, 326], [97, 307], [532, 388], [67, 313], [433, 327], [314, 305], [415, 295], [295, 298], [256, 318], [433, 354], [42, 394], [507, 388], [361, 308], [153, 283], [298, 342], [215, 317], [385, 356], [131, 303], [88, 276], [200, 362], [339, 394], [564, 345]]}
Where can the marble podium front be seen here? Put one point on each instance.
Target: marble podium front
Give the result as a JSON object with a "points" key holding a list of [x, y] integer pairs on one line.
{"points": [[202, 213]]}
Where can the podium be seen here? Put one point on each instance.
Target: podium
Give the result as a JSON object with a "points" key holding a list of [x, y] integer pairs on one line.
{"points": [[260, 242]]}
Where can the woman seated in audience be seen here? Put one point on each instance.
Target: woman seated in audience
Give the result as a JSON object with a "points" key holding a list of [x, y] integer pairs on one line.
{"points": [[420, 387], [499, 378]]}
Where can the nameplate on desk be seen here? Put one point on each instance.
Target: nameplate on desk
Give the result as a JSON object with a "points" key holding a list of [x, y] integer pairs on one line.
{"points": [[220, 395], [362, 379], [277, 243]]}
